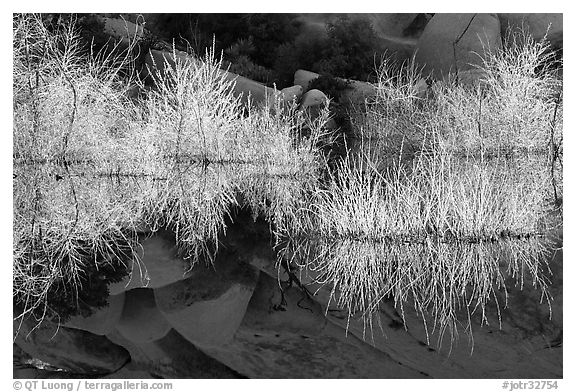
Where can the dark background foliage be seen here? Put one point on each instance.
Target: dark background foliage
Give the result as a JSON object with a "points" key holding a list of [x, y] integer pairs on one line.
{"points": [[269, 48]]}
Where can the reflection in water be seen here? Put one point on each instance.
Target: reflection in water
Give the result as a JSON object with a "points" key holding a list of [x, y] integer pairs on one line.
{"points": [[448, 281], [439, 231], [455, 199], [442, 236], [69, 220]]}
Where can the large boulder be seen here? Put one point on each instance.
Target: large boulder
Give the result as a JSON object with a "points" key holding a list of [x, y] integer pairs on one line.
{"points": [[453, 43], [538, 25], [69, 349], [358, 92], [292, 94], [312, 104], [159, 265], [141, 320], [208, 307], [283, 99], [303, 78], [314, 99], [103, 320]]}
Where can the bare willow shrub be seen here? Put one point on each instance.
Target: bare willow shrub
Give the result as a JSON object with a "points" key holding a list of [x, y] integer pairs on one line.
{"points": [[67, 106], [464, 172]]}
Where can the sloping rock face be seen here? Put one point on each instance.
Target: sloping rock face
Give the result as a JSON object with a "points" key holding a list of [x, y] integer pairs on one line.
{"points": [[358, 92], [289, 337], [208, 307], [528, 344], [141, 320], [102, 321], [70, 349], [172, 356], [452, 43], [538, 25]]}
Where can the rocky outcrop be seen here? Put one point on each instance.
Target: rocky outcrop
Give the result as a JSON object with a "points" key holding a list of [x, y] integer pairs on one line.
{"points": [[453, 43], [70, 349], [314, 99], [141, 320], [208, 307], [539, 26]]}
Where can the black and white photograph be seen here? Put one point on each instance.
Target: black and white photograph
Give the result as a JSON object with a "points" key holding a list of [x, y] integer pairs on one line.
{"points": [[236, 195]]}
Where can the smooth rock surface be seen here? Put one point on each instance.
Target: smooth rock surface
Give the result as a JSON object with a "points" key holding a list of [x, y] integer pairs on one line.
{"points": [[456, 42], [141, 320], [312, 105], [292, 94], [313, 98], [103, 320], [70, 349], [172, 357], [303, 78], [208, 307], [294, 340], [358, 92]]}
